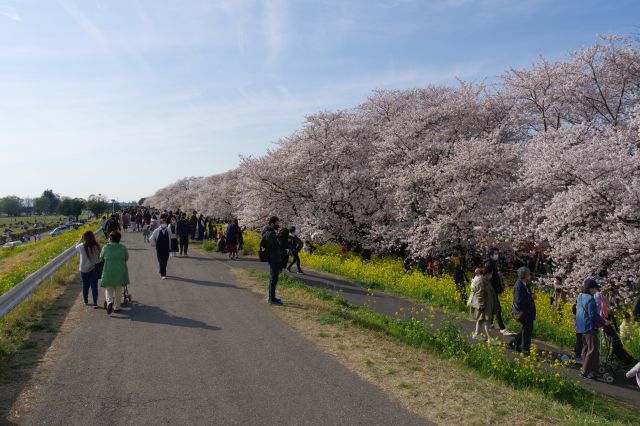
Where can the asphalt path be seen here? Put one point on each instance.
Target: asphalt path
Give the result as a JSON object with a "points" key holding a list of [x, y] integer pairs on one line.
{"points": [[197, 349]]}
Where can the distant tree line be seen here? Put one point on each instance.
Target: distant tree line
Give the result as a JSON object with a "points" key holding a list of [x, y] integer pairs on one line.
{"points": [[51, 203]]}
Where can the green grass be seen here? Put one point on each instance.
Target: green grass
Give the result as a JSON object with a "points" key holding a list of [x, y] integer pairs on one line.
{"points": [[27, 259], [489, 361]]}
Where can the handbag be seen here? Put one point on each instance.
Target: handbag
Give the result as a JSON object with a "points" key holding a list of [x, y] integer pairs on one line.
{"points": [[98, 269]]}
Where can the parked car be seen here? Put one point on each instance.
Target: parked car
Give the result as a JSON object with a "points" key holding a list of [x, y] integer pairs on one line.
{"points": [[12, 244], [59, 230]]}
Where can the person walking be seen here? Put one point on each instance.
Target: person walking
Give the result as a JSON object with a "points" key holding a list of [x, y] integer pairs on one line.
{"points": [[193, 224], [88, 251], [231, 236], [587, 322], [161, 239], [523, 310], [183, 229], [173, 233], [283, 240], [482, 302], [498, 288], [295, 245], [270, 249], [461, 280], [115, 273]]}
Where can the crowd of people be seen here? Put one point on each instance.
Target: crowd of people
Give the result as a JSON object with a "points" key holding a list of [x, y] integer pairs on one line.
{"points": [[170, 233]]}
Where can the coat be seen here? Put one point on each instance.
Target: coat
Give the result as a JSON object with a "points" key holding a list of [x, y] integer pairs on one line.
{"points": [[272, 244], [232, 234], [523, 300], [587, 317], [483, 299], [182, 228], [115, 271]]}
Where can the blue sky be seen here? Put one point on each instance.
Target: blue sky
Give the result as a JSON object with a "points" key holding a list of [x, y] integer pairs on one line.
{"points": [[121, 97]]}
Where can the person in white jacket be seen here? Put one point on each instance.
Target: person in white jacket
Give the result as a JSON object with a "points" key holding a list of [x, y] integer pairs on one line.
{"points": [[88, 251], [634, 372]]}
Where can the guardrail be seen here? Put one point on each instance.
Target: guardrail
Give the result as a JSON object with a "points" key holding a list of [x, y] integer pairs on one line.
{"points": [[20, 292]]}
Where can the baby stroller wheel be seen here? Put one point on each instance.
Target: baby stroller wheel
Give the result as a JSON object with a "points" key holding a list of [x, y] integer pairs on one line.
{"points": [[105, 304], [608, 377], [602, 370]]}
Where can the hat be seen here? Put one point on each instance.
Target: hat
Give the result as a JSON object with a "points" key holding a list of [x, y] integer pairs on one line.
{"points": [[590, 283]]}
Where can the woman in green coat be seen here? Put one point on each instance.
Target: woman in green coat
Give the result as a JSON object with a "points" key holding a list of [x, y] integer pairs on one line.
{"points": [[115, 273]]}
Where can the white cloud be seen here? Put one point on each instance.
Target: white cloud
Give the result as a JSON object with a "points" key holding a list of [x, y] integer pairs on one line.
{"points": [[11, 13]]}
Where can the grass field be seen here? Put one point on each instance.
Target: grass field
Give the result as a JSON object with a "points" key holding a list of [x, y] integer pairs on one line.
{"points": [[16, 222]]}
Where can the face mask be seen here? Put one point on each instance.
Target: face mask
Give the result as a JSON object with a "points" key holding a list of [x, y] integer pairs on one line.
{"points": [[276, 226], [163, 226]]}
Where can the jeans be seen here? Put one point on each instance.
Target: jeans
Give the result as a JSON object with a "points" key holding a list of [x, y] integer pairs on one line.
{"points": [[89, 280], [296, 260], [523, 339], [163, 259], [274, 271]]}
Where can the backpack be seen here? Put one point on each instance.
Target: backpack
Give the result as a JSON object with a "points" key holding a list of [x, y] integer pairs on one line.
{"points": [[295, 243], [263, 253]]}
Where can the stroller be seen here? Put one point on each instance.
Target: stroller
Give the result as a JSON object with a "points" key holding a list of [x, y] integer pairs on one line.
{"points": [[126, 296], [614, 357]]}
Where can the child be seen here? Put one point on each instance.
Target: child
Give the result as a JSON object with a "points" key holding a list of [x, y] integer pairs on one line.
{"points": [[625, 327], [146, 232]]}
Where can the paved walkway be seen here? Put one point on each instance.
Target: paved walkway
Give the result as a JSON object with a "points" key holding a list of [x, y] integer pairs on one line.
{"points": [[622, 389], [197, 349]]}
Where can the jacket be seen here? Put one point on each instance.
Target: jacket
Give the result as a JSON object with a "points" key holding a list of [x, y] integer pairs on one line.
{"points": [[115, 271], [87, 260], [587, 317], [483, 297], [273, 246], [183, 228], [232, 234], [496, 279], [523, 300], [155, 240]]}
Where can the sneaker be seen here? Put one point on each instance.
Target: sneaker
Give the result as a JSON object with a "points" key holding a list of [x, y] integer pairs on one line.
{"points": [[288, 270], [589, 376], [506, 332], [276, 302], [115, 311], [109, 308], [164, 278], [477, 336]]}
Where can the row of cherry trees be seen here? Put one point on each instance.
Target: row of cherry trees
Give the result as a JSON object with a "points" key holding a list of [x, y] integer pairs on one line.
{"points": [[549, 155]]}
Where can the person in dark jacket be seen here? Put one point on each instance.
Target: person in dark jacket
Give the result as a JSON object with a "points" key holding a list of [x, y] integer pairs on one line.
{"points": [[295, 245], [161, 238], [524, 305], [461, 280], [498, 287], [232, 238], [193, 224], [182, 228], [283, 239], [272, 245]]}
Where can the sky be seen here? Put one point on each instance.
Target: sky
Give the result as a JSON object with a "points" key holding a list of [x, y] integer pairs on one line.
{"points": [[122, 97]]}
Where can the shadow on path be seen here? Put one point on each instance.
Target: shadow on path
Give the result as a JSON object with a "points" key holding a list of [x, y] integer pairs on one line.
{"points": [[204, 283], [157, 315]]}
